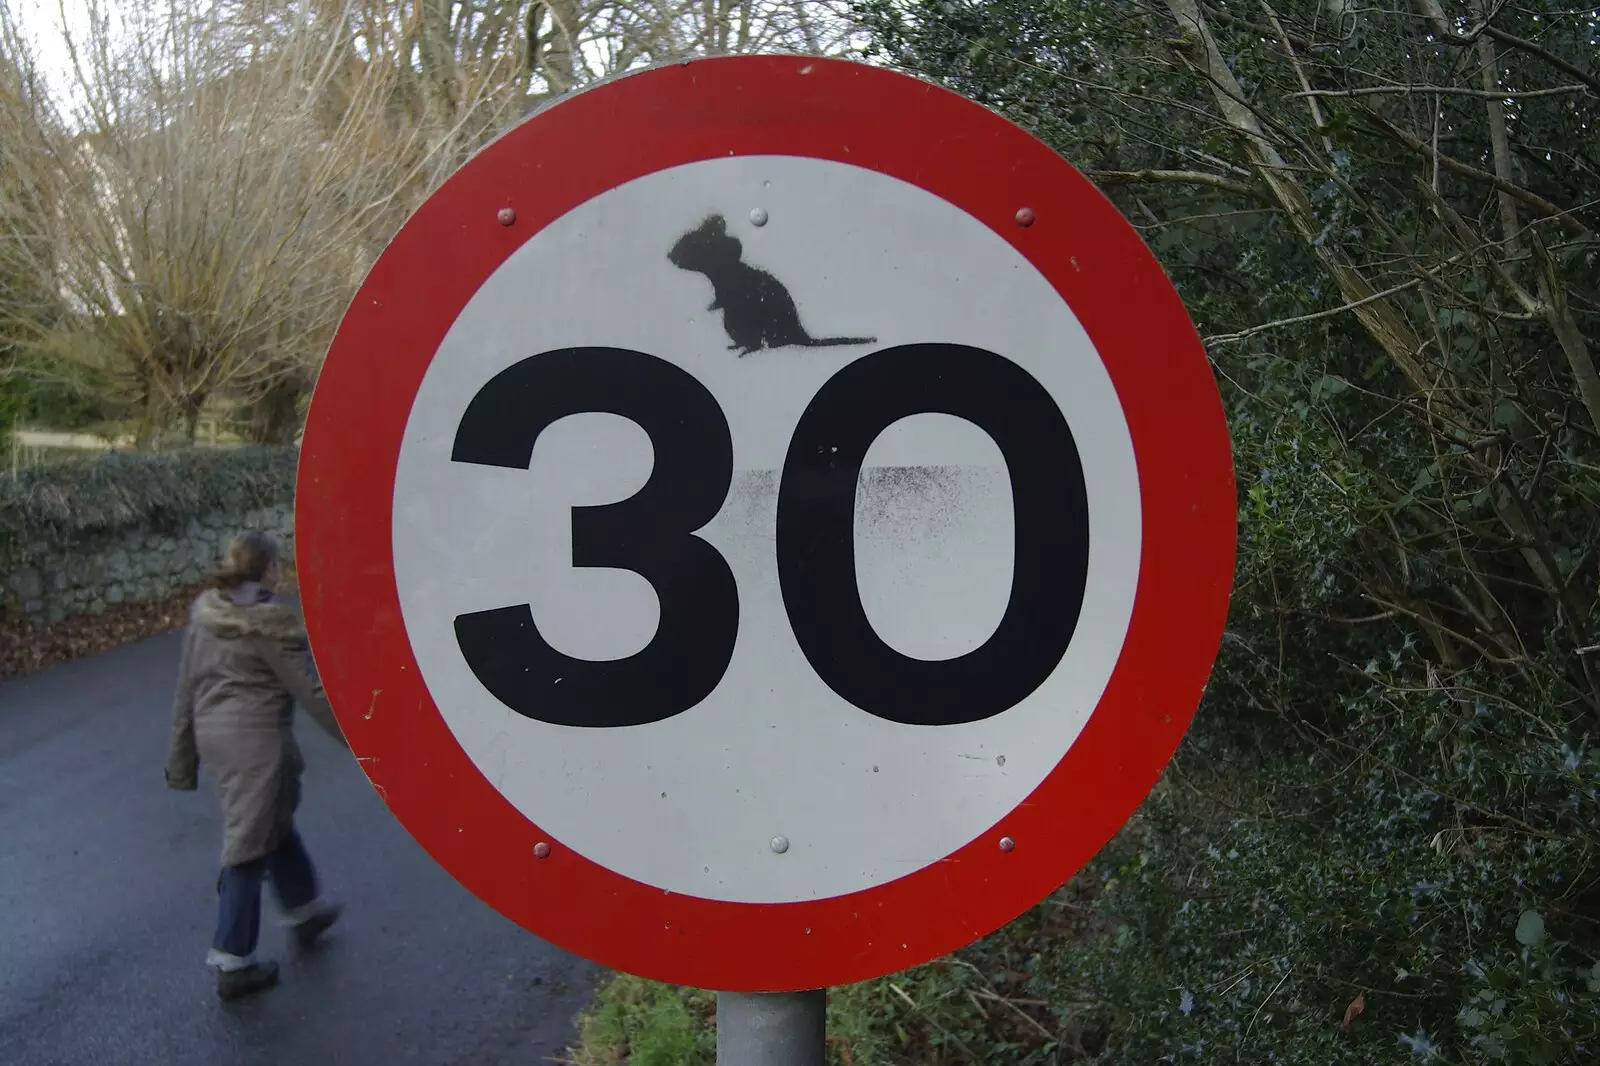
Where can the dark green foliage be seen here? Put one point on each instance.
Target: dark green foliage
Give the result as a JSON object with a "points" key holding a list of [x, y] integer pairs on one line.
{"points": [[67, 500], [38, 390]]}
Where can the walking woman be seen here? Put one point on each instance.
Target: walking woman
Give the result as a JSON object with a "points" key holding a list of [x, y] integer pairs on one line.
{"points": [[245, 664]]}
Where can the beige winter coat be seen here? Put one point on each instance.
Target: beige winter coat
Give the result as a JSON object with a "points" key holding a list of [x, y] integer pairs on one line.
{"points": [[245, 663]]}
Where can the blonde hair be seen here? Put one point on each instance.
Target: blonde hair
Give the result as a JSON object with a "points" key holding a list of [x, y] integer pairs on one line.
{"points": [[248, 558]]}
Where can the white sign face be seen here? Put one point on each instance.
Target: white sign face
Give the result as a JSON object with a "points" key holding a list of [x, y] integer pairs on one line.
{"points": [[694, 797]]}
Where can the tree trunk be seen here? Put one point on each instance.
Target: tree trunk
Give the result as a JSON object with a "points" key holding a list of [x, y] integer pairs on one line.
{"points": [[149, 426], [558, 60], [191, 420], [274, 415], [438, 59]]}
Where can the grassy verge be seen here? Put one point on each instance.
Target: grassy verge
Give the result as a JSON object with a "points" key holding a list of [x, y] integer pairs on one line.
{"points": [[977, 1006]]}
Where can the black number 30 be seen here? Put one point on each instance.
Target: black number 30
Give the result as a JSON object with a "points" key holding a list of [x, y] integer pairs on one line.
{"points": [[653, 534]]}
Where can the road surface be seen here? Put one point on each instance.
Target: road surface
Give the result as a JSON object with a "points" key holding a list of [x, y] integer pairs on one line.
{"points": [[107, 900]]}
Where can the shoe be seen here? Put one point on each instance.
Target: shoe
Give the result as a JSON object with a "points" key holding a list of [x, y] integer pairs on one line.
{"points": [[236, 984], [307, 932]]}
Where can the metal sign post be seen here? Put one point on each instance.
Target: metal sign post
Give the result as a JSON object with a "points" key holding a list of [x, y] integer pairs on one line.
{"points": [[772, 1028], [770, 542]]}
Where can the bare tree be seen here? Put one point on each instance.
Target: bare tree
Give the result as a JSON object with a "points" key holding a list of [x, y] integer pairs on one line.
{"points": [[226, 169], [220, 194], [28, 191], [468, 69]]}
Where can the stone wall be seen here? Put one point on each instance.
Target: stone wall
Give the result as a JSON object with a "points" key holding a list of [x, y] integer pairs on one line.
{"points": [[47, 582]]}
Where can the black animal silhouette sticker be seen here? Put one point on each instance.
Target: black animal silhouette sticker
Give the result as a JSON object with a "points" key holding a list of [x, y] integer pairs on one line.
{"points": [[757, 311]]}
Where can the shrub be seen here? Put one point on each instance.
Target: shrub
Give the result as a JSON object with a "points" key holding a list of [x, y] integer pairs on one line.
{"points": [[65, 501]]}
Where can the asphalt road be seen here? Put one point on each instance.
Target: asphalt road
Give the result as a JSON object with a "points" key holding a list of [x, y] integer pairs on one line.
{"points": [[107, 900]]}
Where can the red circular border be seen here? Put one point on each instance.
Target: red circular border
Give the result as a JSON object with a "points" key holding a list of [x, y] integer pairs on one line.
{"points": [[624, 129]]}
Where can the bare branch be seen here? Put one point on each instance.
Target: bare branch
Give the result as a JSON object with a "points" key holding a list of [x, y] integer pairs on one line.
{"points": [[1114, 178], [1386, 325], [1571, 338], [1455, 166], [1287, 47], [1445, 90], [1229, 338]]}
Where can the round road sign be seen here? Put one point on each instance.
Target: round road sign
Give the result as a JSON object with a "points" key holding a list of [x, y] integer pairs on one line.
{"points": [[765, 522]]}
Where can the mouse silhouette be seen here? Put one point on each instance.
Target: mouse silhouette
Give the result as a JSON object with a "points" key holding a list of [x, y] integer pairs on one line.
{"points": [[757, 311]]}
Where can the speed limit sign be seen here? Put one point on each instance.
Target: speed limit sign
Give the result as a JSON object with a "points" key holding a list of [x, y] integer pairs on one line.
{"points": [[765, 522]]}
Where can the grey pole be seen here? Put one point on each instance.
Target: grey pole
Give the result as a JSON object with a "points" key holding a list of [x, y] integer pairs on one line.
{"points": [[771, 1029]]}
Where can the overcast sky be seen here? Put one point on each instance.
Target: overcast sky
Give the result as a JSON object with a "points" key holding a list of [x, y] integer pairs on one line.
{"points": [[42, 20]]}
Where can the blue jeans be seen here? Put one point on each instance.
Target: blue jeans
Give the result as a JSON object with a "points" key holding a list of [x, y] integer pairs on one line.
{"points": [[294, 883]]}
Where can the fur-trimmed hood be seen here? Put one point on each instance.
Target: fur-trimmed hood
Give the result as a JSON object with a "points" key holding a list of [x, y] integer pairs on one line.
{"points": [[266, 616]]}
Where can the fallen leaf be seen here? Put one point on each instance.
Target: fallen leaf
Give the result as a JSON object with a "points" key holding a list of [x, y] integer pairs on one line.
{"points": [[1352, 1012], [26, 646]]}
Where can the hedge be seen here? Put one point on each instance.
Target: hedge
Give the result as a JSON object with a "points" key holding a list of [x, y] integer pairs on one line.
{"points": [[118, 490]]}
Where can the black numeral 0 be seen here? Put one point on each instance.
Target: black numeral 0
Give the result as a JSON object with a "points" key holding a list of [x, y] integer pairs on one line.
{"points": [[652, 534], [816, 533]]}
